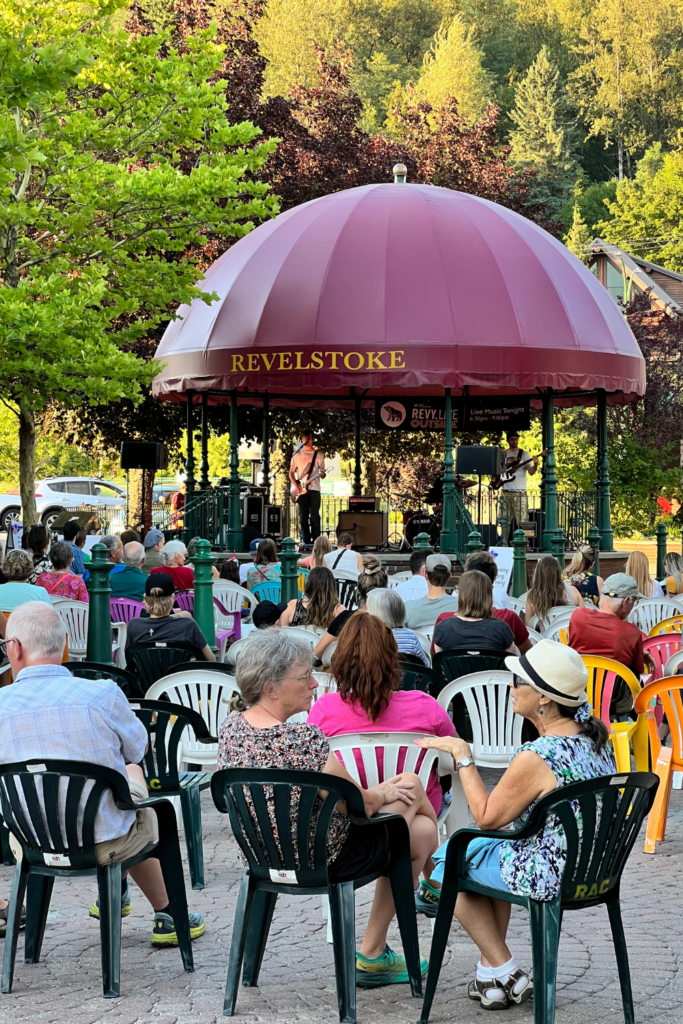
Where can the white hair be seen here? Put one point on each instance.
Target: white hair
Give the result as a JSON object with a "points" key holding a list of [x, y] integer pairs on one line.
{"points": [[110, 541], [614, 603], [170, 550], [388, 606], [133, 553], [39, 630]]}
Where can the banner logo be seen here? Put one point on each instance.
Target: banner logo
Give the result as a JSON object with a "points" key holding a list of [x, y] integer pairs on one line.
{"points": [[393, 414]]}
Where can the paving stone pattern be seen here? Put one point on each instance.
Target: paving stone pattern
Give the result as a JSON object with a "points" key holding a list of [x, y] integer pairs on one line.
{"points": [[297, 979]]}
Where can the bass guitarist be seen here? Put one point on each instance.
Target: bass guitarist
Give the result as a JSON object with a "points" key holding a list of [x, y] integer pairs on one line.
{"points": [[518, 463], [306, 470]]}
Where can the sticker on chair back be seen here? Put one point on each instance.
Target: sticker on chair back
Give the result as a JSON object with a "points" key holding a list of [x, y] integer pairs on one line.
{"points": [[282, 876], [57, 860], [36, 767], [618, 780]]}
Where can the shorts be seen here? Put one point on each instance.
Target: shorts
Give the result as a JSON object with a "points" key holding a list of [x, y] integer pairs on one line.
{"points": [[365, 850], [482, 863]]}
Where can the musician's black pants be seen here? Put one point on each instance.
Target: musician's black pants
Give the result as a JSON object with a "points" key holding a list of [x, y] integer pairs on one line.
{"points": [[309, 514]]}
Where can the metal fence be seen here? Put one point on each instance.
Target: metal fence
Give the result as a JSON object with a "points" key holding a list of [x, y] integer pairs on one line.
{"points": [[576, 512]]}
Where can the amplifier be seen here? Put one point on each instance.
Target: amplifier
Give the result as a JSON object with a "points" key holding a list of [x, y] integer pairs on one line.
{"points": [[366, 504], [369, 529], [252, 511], [479, 460], [143, 455], [272, 521]]}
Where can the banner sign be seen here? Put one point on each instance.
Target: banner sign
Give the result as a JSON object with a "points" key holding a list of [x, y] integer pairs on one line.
{"points": [[475, 414]]}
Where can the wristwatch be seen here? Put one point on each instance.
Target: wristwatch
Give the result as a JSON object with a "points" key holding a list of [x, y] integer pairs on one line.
{"points": [[464, 763]]}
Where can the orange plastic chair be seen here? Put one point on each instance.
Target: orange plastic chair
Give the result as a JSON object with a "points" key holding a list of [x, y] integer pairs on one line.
{"points": [[660, 648], [674, 624], [667, 760], [603, 674]]}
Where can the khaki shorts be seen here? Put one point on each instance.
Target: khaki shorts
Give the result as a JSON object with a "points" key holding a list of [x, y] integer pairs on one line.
{"points": [[142, 832]]}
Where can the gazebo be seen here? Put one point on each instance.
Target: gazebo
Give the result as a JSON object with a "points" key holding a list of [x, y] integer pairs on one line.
{"points": [[399, 290]]}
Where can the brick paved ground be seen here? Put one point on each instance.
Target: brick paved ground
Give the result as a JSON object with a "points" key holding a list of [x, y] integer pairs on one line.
{"points": [[297, 980]]}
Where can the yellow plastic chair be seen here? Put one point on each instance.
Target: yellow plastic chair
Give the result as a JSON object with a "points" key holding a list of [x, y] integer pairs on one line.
{"points": [[603, 674], [674, 624], [301, 580], [563, 636]]}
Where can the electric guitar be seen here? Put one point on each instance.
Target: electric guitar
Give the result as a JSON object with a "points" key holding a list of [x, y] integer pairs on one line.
{"points": [[301, 484], [511, 470]]}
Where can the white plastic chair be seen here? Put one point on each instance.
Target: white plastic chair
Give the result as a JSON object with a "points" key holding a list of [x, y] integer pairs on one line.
{"points": [[74, 616], [232, 596], [345, 574], [303, 633], [648, 613], [327, 654], [534, 636], [518, 605], [673, 663], [559, 611], [205, 692], [232, 652], [425, 638], [496, 729], [326, 684], [398, 578], [347, 590], [558, 622]]}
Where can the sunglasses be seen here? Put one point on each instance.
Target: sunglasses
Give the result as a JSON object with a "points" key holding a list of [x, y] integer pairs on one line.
{"points": [[517, 681]]}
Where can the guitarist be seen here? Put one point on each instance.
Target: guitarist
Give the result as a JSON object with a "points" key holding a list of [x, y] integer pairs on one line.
{"points": [[514, 499], [306, 470]]}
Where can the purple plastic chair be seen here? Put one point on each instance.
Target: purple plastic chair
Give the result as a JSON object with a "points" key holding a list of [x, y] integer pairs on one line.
{"points": [[123, 609], [184, 600]]}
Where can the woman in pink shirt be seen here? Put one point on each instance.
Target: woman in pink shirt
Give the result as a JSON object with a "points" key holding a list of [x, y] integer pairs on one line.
{"points": [[365, 665]]}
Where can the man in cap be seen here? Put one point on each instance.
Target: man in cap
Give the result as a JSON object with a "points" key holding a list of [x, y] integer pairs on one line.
{"points": [[153, 543], [163, 624], [423, 613], [606, 632]]}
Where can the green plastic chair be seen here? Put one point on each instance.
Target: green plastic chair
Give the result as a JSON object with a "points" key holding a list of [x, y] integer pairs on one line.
{"points": [[416, 676], [259, 891], [165, 724], [129, 683], [151, 660], [41, 837], [462, 661], [592, 876]]}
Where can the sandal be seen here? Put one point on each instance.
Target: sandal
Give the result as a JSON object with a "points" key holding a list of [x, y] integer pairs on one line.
{"points": [[523, 994], [3, 927], [491, 994]]}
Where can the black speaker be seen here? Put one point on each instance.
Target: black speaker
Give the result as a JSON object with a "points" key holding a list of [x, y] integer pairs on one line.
{"points": [[143, 455], [272, 520], [369, 529], [479, 460], [489, 534], [252, 511]]}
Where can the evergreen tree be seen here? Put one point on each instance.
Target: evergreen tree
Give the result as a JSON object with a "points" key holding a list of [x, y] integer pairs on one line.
{"points": [[452, 69], [544, 139], [578, 236]]}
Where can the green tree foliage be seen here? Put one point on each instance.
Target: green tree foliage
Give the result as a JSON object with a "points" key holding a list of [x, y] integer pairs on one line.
{"points": [[578, 236], [452, 69], [114, 164], [591, 203], [544, 138]]}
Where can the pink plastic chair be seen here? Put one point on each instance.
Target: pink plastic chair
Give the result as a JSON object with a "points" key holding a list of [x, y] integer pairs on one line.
{"points": [[184, 599], [123, 609], [660, 648]]}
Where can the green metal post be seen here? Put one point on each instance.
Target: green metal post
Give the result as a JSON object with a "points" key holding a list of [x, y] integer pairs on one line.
{"points": [[204, 463], [448, 526], [289, 574], [422, 543], [550, 518], [235, 539], [519, 545], [265, 448], [203, 592], [603, 481], [357, 480], [474, 542], [99, 613], [190, 482], [594, 541], [662, 534], [558, 547]]}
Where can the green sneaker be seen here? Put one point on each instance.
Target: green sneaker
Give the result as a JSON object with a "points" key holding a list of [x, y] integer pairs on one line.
{"points": [[164, 933], [126, 905], [427, 899], [386, 969]]}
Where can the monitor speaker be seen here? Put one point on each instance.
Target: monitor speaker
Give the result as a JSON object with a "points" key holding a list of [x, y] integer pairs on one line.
{"points": [[252, 511], [369, 529], [479, 460], [144, 455]]}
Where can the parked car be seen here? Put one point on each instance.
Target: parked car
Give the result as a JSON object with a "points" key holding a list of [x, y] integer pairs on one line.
{"points": [[58, 493]]}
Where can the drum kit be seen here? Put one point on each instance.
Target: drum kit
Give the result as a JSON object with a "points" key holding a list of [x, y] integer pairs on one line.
{"points": [[419, 520]]}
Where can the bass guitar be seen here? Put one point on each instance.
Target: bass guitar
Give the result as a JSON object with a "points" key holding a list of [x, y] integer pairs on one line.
{"points": [[511, 470]]}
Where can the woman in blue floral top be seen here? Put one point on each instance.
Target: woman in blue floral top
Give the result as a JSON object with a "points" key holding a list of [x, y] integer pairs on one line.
{"points": [[549, 689]]}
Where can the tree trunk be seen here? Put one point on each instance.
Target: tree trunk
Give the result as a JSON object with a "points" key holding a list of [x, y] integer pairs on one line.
{"points": [[140, 499], [620, 158], [370, 478], [27, 466]]}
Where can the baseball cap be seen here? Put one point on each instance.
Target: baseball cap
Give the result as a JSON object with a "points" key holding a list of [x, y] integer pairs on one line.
{"points": [[152, 537], [555, 670], [436, 562], [266, 613], [254, 544], [160, 581], [620, 585]]}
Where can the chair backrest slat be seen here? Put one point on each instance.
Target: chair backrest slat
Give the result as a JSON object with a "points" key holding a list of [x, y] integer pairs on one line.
{"points": [[243, 827], [487, 698], [277, 859]]}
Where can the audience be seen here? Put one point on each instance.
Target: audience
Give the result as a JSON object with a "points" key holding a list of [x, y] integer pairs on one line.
{"points": [[266, 568], [153, 543], [390, 608], [344, 557], [130, 582], [473, 625], [321, 547], [416, 587], [173, 557], [17, 567], [266, 614], [79, 541], [162, 624], [519, 630], [129, 536], [48, 713], [578, 575], [245, 566], [373, 577], [115, 548], [548, 590], [60, 581], [638, 567], [606, 632], [230, 571], [319, 605], [500, 597], [423, 613], [273, 674], [70, 534], [37, 543], [673, 569], [549, 690]]}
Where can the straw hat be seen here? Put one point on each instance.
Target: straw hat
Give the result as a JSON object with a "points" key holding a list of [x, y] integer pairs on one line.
{"points": [[554, 670]]}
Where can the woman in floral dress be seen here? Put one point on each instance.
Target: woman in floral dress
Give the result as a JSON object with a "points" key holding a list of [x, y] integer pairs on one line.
{"points": [[60, 581]]}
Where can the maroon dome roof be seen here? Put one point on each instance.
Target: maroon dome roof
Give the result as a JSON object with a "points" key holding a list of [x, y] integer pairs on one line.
{"points": [[400, 286]]}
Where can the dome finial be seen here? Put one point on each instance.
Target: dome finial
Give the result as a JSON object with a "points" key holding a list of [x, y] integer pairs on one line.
{"points": [[400, 172]]}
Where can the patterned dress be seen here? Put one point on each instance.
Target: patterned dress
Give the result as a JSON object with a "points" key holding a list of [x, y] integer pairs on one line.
{"points": [[292, 746], [64, 584], [533, 867]]}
